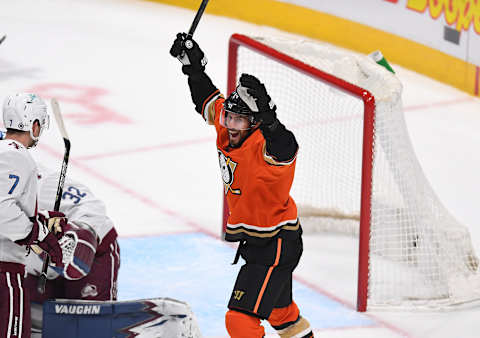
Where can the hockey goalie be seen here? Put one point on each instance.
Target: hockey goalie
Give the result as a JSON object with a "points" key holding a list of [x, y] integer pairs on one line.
{"points": [[80, 298]]}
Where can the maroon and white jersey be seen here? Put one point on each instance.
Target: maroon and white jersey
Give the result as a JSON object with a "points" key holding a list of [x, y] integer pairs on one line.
{"points": [[18, 196], [78, 203], [94, 279]]}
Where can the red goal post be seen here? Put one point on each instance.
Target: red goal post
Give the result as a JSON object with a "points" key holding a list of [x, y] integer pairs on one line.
{"points": [[356, 166]]}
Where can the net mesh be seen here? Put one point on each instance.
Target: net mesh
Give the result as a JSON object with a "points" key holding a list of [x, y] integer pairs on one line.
{"points": [[419, 254]]}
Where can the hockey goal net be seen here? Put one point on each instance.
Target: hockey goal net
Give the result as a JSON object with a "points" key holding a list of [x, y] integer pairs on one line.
{"points": [[357, 172]]}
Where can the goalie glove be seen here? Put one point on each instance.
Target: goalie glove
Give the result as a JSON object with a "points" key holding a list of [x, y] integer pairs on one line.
{"points": [[266, 107], [189, 54], [79, 245]]}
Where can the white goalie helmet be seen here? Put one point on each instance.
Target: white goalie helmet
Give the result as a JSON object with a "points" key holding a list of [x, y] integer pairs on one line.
{"points": [[21, 110]]}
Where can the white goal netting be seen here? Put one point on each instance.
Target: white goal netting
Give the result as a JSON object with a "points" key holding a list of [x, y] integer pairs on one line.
{"points": [[419, 255]]}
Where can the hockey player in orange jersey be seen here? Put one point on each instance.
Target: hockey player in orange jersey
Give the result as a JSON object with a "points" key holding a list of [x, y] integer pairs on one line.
{"points": [[257, 157]]}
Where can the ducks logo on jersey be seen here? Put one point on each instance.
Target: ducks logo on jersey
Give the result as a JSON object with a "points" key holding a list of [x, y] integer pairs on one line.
{"points": [[227, 168]]}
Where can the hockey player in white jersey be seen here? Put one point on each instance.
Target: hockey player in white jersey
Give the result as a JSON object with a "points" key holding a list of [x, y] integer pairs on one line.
{"points": [[88, 280], [21, 224], [91, 264]]}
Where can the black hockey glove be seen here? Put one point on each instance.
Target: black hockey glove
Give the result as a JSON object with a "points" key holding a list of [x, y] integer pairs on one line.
{"points": [[189, 53], [266, 107]]}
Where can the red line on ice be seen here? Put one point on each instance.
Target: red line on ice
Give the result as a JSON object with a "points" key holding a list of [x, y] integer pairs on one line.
{"points": [[144, 199]]}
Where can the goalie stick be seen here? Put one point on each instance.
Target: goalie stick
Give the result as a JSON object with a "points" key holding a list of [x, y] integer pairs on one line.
{"points": [[63, 131], [197, 18]]}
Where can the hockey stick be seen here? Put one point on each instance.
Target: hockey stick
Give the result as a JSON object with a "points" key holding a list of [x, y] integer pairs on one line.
{"points": [[61, 181], [2, 39], [197, 18]]}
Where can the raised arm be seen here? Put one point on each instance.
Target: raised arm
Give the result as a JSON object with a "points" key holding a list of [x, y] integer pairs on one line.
{"points": [[280, 142], [193, 65]]}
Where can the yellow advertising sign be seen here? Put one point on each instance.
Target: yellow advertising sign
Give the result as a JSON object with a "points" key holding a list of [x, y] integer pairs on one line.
{"points": [[461, 13]]}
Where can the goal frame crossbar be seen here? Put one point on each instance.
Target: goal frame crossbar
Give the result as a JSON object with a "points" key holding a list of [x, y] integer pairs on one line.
{"points": [[239, 40]]}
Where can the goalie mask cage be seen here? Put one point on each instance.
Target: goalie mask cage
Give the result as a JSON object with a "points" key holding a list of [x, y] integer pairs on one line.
{"points": [[356, 172]]}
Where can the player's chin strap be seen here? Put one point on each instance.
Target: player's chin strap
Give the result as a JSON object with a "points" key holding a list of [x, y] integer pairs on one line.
{"points": [[241, 244], [34, 139]]}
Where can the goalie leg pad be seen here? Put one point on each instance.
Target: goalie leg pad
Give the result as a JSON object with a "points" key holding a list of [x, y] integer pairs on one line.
{"points": [[158, 317]]}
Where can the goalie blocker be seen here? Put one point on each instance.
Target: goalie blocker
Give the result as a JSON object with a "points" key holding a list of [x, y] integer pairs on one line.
{"points": [[156, 317]]}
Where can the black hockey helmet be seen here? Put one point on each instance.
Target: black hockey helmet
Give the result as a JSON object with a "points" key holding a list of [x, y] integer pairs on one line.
{"points": [[241, 103]]}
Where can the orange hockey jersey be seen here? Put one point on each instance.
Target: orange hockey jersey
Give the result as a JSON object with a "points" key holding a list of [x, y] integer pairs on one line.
{"points": [[257, 187]]}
